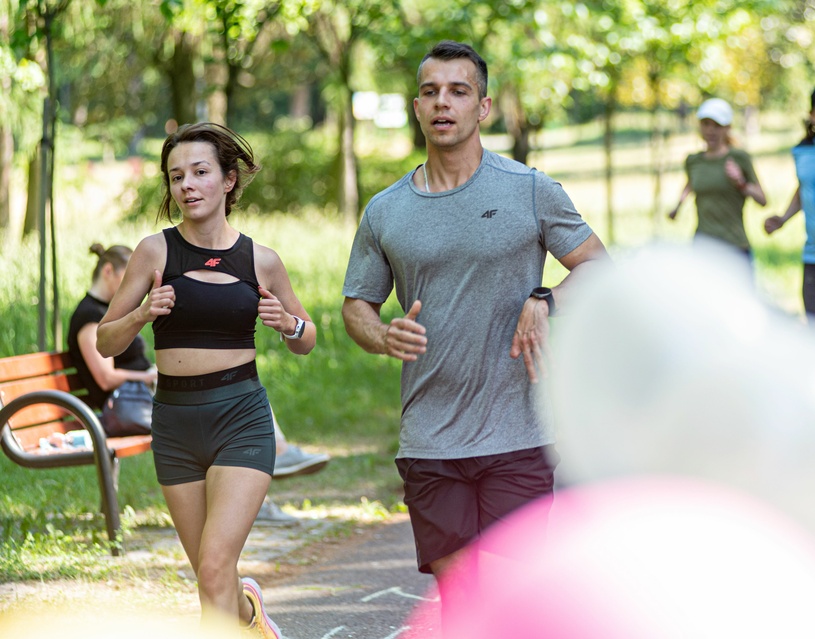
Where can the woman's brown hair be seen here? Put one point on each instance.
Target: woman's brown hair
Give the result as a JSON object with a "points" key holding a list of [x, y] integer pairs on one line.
{"points": [[117, 255]]}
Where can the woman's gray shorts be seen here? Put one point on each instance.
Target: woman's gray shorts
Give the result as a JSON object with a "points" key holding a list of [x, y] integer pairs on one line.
{"points": [[224, 426]]}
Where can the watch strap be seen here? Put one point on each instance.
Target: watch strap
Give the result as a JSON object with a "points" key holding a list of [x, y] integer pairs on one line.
{"points": [[545, 293], [299, 329]]}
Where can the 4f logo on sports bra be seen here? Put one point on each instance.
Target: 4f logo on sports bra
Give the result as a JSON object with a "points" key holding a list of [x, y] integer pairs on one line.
{"points": [[213, 262]]}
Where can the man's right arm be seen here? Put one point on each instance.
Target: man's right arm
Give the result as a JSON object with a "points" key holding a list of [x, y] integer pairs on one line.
{"points": [[403, 338]]}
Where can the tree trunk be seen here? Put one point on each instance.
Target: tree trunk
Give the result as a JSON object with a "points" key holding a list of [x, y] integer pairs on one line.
{"points": [[216, 74], [520, 144], [183, 80], [30, 223], [6, 160], [348, 184], [517, 124], [232, 72], [6, 140], [657, 150], [46, 154], [657, 166], [300, 102], [608, 144]]}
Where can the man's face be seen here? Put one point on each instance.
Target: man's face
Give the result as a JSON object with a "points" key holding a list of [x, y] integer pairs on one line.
{"points": [[448, 107]]}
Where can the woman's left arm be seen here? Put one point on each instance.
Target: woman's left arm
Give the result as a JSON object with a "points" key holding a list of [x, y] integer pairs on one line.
{"points": [[745, 180], [279, 307], [754, 190]]}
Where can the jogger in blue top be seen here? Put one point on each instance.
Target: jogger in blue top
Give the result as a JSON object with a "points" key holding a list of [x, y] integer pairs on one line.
{"points": [[803, 199]]}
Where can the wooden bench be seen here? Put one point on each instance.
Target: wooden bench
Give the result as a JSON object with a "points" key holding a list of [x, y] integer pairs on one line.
{"points": [[39, 396]]}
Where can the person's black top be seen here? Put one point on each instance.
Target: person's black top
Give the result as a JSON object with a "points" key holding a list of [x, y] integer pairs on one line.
{"points": [[91, 311], [207, 315]]}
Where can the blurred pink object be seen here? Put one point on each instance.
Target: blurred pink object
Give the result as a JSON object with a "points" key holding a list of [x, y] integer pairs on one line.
{"points": [[647, 558]]}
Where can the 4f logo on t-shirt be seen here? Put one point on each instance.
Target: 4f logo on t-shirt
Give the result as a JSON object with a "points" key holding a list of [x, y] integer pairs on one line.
{"points": [[213, 262], [489, 214]]}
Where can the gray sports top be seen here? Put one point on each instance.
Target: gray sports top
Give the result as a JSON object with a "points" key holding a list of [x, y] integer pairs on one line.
{"points": [[471, 255]]}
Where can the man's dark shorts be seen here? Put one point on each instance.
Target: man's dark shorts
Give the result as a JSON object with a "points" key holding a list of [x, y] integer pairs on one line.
{"points": [[452, 501]]}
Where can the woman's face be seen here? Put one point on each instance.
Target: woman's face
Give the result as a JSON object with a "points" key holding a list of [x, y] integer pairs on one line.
{"points": [[197, 183], [713, 133]]}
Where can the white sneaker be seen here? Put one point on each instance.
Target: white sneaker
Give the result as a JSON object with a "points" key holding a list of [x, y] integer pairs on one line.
{"points": [[295, 461], [271, 513]]}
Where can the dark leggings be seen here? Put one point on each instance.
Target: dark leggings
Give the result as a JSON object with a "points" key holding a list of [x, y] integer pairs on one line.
{"points": [[808, 291]]}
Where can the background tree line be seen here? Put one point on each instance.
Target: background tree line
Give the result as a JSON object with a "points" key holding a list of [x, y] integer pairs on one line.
{"points": [[118, 71]]}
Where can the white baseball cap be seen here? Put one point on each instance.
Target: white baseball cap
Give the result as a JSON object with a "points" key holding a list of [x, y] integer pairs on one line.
{"points": [[717, 110]]}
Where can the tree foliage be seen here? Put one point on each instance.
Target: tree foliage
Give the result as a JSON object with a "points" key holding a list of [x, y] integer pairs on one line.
{"points": [[124, 70]]}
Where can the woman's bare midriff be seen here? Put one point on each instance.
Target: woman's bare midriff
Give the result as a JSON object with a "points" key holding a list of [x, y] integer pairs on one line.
{"points": [[199, 361]]}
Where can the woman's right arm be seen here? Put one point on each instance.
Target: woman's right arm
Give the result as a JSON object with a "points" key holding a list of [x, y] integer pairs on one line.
{"points": [[685, 193], [129, 311]]}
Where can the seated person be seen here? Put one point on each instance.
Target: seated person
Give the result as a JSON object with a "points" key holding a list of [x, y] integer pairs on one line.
{"points": [[102, 375]]}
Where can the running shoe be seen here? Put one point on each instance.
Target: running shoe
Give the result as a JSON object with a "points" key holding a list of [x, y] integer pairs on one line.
{"points": [[271, 513], [295, 461], [261, 622]]}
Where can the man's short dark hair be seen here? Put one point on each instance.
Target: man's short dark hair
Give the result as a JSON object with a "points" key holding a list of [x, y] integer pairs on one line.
{"points": [[451, 50]]}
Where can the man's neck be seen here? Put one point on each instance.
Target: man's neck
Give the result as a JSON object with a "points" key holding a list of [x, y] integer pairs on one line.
{"points": [[447, 170]]}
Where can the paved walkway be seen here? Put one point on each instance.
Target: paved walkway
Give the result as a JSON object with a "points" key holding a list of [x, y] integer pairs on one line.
{"points": [[362, 586], [365, 588]]}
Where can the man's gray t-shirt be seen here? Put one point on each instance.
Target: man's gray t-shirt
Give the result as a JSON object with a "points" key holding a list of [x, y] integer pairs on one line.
{"points": [[471, 255]]}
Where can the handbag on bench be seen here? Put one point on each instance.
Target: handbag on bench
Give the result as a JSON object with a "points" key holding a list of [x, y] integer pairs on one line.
{"points": [[128, 410]]}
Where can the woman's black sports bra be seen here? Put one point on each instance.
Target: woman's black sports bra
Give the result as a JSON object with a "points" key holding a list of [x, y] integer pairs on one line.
{"points": [[208, 315]]}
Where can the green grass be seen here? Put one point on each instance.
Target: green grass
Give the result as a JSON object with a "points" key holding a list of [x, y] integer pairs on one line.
{"points": [[338, 399]]}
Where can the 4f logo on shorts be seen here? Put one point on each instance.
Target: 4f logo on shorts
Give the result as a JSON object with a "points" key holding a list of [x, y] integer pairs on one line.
{"points": [[213, 262], [252, 451]]}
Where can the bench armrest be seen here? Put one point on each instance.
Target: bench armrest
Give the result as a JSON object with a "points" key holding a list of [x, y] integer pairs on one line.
{"points": [[76, 407]]}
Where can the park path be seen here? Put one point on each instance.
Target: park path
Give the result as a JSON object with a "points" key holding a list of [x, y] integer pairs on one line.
{"points": [[365, 587], [317, 584]]}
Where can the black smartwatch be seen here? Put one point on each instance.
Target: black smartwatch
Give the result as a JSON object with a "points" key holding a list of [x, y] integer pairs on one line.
{"points": [[299, 329], [544, 293]]}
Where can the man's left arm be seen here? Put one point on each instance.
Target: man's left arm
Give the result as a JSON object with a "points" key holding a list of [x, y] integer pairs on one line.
{"points": [[531, 338]]}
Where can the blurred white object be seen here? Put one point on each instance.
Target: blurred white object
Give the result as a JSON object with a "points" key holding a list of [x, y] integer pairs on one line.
{"points": [[79, 439], [670, 364]]}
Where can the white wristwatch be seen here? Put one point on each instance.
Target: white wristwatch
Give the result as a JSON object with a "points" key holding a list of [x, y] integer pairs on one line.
{"points": [[299, 329]]}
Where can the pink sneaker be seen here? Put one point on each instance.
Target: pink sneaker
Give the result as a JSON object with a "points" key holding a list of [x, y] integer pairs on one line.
{"points": [[261, 622]]}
